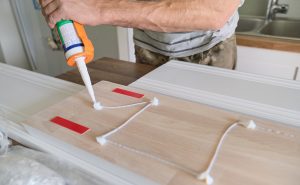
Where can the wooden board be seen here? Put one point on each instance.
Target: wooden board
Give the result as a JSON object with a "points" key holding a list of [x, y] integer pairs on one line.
{"points": [[117, 71], [172, 143]]}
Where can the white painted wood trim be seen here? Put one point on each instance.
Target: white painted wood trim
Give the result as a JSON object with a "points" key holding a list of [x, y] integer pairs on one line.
{"points": [[131, 46], [125, 44], [40, 79], [51, 87], [235, 74], [267, 62], [221, 101], [7, 112]]}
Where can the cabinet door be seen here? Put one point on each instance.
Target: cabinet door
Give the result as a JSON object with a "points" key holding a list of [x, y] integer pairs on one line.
{"points": [[267, 62]]}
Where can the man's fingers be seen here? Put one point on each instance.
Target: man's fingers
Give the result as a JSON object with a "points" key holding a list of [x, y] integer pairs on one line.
{"points": [[51, 7], [55, 17], [52, 11], [44, 3]]}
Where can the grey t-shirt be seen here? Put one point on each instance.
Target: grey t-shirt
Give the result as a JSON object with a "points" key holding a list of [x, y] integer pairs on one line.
{"points": [[184, 43]]}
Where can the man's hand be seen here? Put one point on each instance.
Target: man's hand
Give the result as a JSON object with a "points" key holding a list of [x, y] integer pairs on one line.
{"points": [[155, 15], [82, 11]]}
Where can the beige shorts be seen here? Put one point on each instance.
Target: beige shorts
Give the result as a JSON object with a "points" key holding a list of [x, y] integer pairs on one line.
{"points": [[222, 55]]}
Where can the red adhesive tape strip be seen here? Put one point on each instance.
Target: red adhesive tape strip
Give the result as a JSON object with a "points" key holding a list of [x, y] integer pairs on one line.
{"points": [[69, 125], [128, 93]]}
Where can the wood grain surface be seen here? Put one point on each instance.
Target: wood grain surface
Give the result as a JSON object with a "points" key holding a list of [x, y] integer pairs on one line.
{"points": [[268, 43], [173, 142], [117, 71]]}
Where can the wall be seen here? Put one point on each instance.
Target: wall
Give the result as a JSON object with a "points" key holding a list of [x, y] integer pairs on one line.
{"points": [[35, 34], [51, 62], [12, 47], [105, 41], [251, 7], [293, 9], [1, 55]]}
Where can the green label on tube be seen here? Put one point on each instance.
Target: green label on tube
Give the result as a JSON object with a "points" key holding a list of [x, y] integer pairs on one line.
{"points": [[59, 25], [68, 35]]}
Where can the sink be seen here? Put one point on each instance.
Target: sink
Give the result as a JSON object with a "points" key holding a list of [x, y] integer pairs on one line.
{"points": [[249, 24], [282, 28]]}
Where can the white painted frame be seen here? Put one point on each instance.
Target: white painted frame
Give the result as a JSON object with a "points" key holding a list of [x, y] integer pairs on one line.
{"points": [[150, 82], [267, 62], [125, 44]]}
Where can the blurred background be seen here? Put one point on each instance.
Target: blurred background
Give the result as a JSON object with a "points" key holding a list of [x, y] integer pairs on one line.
{"points": [[27, 42]]}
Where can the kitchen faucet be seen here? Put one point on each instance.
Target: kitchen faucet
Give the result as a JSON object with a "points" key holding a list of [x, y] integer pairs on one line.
{"points": [[274, 7]]}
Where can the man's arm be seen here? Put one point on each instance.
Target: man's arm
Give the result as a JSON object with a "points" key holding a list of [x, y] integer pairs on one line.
{"points": [[156, 15]]}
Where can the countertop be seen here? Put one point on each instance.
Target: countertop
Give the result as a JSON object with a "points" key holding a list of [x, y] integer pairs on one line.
{"points": [[268, 43]]}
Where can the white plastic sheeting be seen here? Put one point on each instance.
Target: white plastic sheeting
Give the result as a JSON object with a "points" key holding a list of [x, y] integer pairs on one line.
{"points": [[23, 166]]}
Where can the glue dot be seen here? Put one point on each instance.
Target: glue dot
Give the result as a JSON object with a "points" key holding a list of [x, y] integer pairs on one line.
{"points": [[251, 125], [98, 106], [209, 180], [206, 176], [101, 140], [155, 101]]}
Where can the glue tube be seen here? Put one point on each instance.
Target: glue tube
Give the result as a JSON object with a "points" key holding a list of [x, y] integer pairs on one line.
{"points": [[78, 50]]}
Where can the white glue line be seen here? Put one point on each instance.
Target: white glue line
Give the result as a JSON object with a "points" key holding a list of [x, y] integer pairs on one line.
{"points": [[277, 132], [169, 163], [206, 174], [102, 139], [98, 106]]}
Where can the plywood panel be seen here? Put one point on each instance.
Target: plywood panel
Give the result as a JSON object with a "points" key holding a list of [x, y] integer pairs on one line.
{"points": [[172, 143]]}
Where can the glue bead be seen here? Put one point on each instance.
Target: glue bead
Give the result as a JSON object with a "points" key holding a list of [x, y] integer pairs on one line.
{"points": [[98, 106], [205, 176], [101, 140], [251, 125], [202, 176], [155, 101], [209, 180]]}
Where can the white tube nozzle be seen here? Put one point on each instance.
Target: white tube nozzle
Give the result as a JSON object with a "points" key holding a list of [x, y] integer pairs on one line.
{"points": [[80, 61]]}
